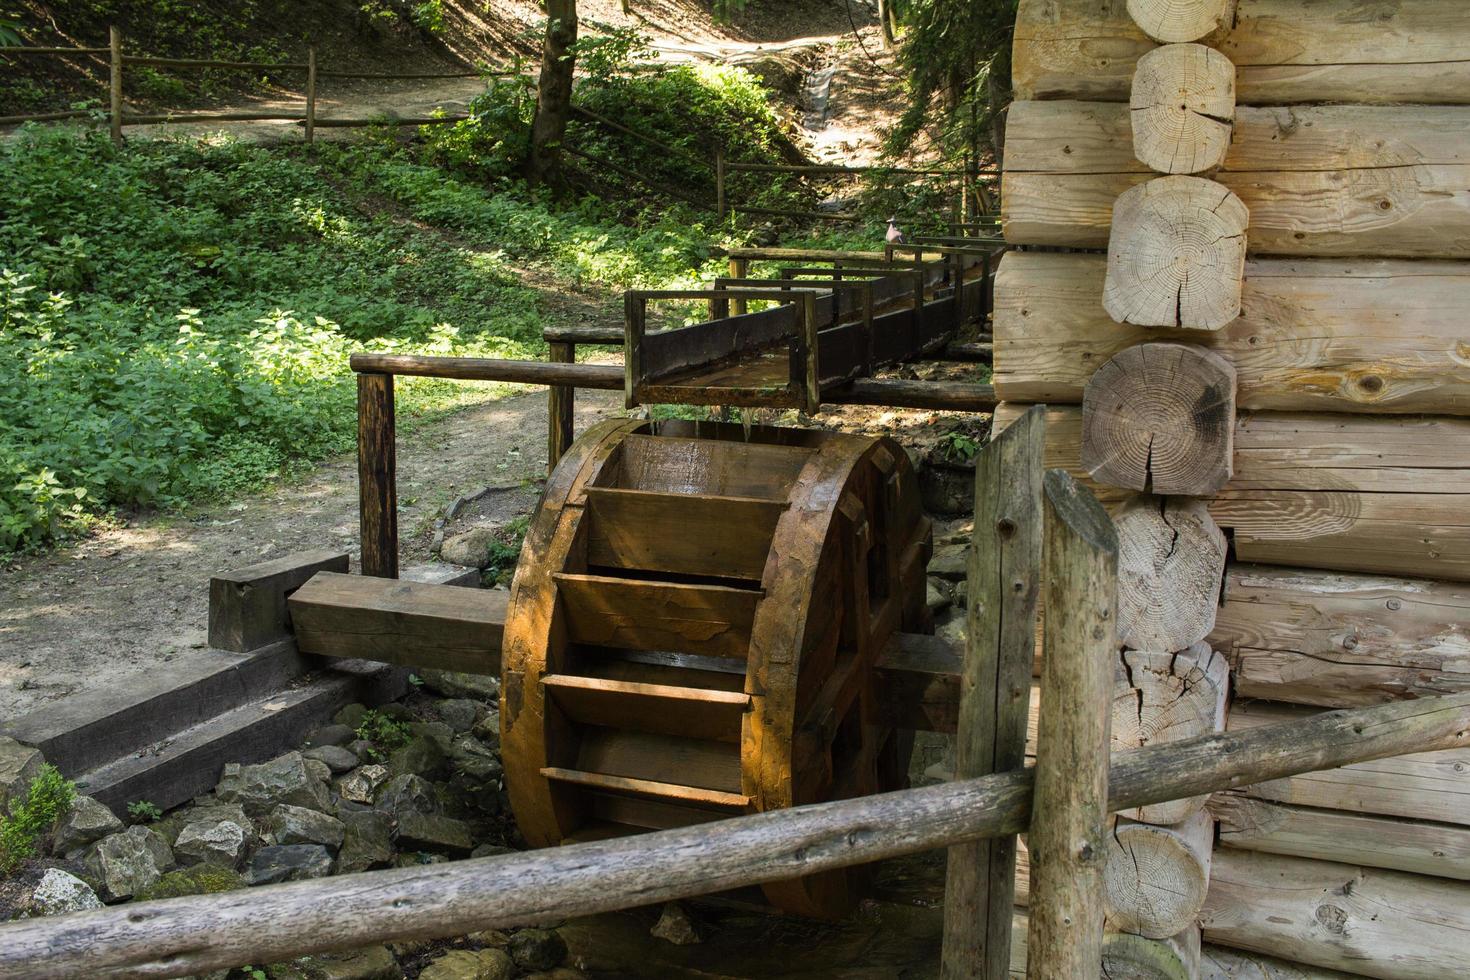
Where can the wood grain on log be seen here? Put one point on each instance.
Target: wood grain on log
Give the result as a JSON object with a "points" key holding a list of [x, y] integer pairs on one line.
{"points": [[1418, 846], [1176, 254], [1004, 585], [181, 937], [1066, 841], [1157, 876], [1170, 21], [377, 475], [1161, 418], [1171, 560], [1313, 335], [1341, 641], [1181, 108], [1160, 698], [1370, 922], [1130, 957], [1286, 51]]}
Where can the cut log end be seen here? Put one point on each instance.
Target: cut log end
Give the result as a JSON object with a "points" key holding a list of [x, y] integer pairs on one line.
{"points": [[1182, 108], [1173, 21], [1161, 417], [1171, 561], [1129, 957], [1176, 255], [1157, 877]]}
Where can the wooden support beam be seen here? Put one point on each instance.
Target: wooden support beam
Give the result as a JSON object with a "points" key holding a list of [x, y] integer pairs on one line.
{"points": [[940, 396], [560, 407], [1171, 563], [445, 627], [279, 922], [1161, 418], [1176, 254], [377, 475], [1066, 841], [1004, 586], [1182, 108], [247, 606], [608, 377]]}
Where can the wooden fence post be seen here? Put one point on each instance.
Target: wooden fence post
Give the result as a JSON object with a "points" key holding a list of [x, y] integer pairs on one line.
{"points": [[311, 93], [720, 200], [1004, 574], [1070, 807], [377, 467], [738, 268], [560, 405], [115, 82]]}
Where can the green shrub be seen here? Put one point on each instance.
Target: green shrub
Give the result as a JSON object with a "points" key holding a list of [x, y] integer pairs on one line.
{"points": [[384, 732], [144, 811], [47, 798]]}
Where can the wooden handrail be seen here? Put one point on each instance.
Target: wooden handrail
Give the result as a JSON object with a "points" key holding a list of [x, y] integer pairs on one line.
{"points": [[197, 934], [604, 376]]}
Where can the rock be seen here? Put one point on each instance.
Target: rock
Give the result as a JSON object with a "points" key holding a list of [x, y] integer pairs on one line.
{"points": [[453, 684], [289, 862], [937, 595], [127, 862], [335, 757], [537, 949], [372, 963], [329, 735], [407, 794], [432, 832], [202, 879], [950, 562], [491, 850], [319, 770], [361, 785], [218, 842], [351, 716], [421, 757], [85, 822], [559, 973], [487, 729], [297, 825], [962, 593], [19, 764], [460, 714], [414, 859], [395, 711], [364, 750], [441, 733], [260, 789], [470, 548], [367, 841], [464, 964], [58, 893], [475, 759], [675, 926], [952, 627]]}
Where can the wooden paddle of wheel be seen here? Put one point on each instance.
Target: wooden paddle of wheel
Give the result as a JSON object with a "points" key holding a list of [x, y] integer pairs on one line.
{"points": [[692, 630]]}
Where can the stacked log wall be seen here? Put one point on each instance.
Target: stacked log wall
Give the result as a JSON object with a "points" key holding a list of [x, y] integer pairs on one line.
{"points": [[1346, 492]]}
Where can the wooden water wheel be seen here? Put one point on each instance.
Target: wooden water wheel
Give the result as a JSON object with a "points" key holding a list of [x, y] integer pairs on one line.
{"points": [[692, 630]]}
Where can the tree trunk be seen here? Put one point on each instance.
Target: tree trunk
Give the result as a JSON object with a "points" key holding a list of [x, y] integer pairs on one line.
{"points": [[553, 94]]}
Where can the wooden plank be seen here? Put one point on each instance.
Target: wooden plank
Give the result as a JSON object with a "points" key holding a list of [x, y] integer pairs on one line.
{"points": [[941, 396], [1284, 51], [632, 614], [1340, 640], [646, 787], [1422, 786], [445, 627], [1413, 212], [689, 762], [1301, 504], [680, 533], [247, 606], [1371, 922], [377, 475], [1418, 846], [607, 377], [659, 708], [710, 467], [1313, 334], [668, 352], [1004, 572], [919, 682]]}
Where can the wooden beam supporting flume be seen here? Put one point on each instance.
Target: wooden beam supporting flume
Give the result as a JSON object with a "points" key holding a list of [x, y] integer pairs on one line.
{"points": [[1176, 255], [1171, 560], [1161, 418], [1004, 585], [1066, 840], [197, 934], [1182, 108]]}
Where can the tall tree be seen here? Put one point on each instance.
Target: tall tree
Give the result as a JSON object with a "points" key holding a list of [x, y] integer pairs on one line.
{"points": [[553, 93]]}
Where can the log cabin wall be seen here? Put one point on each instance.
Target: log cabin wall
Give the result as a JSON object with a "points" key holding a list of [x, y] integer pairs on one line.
{"points": [[1251, 327]]}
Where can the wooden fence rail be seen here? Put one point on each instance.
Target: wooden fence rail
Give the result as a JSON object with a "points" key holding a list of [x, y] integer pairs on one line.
{"points": [[197, 934]]}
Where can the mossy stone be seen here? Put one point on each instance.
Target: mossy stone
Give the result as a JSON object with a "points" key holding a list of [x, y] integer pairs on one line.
{"points": [[201, 879]]}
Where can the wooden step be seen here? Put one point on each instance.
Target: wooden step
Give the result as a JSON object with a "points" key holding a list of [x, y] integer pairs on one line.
{"points": [[680, 533], [709, 466], [635, 614], [647, 787], [658, 708], [694, 763]]}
